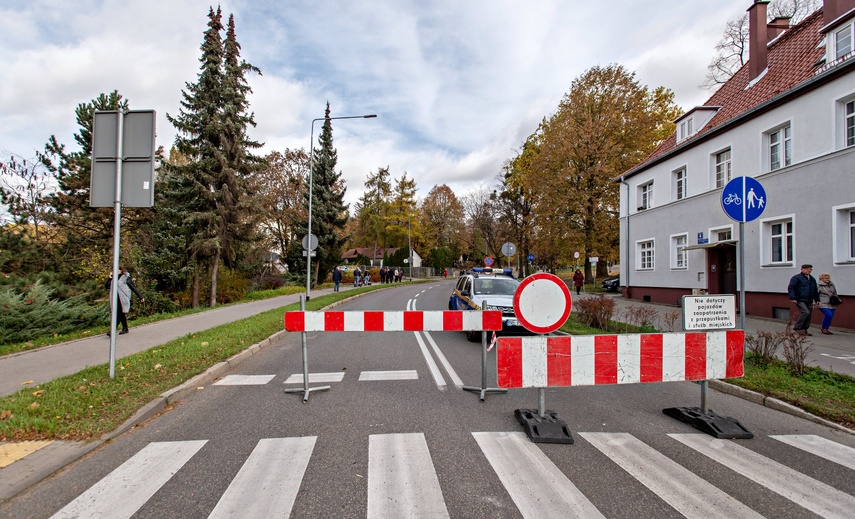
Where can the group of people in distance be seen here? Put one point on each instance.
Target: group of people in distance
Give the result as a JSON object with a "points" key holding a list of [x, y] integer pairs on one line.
{"points": [[363, 277]]}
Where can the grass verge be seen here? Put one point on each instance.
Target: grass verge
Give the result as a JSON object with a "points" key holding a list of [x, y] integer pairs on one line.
{"points": [[88, 404]]}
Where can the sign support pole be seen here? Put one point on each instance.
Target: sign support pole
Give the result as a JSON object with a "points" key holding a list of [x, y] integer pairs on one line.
{"points": [[303, 338], [117, 227], [483, 390]]}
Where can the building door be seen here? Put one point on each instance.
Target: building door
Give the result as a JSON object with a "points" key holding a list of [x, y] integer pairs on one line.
{"points": [[727, 270]]}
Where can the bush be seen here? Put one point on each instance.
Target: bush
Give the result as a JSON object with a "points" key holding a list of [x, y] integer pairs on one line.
{"points": [[32, 314], [796, 349], [764, 346], [596, 312]]}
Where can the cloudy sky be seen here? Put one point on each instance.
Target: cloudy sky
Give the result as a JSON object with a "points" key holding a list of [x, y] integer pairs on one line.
{"points": [[457, 84]]}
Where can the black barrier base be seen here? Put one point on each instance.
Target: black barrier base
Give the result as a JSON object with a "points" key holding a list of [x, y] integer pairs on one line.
{"points": [[723, 427], [549, 429]]}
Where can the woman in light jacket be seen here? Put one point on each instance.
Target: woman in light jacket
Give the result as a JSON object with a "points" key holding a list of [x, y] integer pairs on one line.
{"points": [[123, 302], [826, 290]]}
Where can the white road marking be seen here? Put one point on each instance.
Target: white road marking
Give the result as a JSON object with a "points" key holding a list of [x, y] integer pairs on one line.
{"points": [[679, 487], [402, 481], [432, 367], [123, 491], [536, 485], [455, 379], [262, 487], [244, 380], [819, 446], [317, 378], [409, 374], [805, 491]]}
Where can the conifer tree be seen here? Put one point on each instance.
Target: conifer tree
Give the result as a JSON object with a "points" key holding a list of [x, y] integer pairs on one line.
{"points": [[212, 185], [329, 212]]}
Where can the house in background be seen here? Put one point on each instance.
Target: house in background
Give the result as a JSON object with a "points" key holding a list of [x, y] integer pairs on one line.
{"points": [[376, 255], [787, 119]]}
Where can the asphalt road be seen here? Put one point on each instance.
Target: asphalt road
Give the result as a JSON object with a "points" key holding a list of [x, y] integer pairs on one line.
{"points": [[421, 447]]}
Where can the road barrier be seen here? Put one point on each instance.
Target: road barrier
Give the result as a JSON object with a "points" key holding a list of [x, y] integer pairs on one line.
{"points": [[564, 361], [392, 321], [618, 359]]}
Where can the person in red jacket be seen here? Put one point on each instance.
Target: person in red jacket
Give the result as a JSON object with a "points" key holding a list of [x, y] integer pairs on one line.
{"points": [[578, 281]]}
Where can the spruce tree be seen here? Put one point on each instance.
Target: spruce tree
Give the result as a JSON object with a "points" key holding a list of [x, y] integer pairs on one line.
{"points": [[211, 185], [329, 212]]}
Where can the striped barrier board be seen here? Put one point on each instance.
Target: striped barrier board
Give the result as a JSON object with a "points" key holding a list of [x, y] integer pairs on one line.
{"points": [[618, 359], [401, 321]]}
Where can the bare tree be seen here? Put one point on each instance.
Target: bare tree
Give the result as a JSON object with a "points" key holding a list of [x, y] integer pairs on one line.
{"points": [[731, 51]]}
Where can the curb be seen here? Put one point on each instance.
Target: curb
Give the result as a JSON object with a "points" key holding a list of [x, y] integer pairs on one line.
{"points": [[774, 403]]}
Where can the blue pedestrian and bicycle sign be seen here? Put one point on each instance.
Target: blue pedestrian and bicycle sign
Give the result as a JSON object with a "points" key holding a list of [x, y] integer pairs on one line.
{"points": [[743, 199]]}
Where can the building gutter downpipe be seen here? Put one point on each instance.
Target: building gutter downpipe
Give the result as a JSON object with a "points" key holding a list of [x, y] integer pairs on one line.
{"points": [[626, 267]]}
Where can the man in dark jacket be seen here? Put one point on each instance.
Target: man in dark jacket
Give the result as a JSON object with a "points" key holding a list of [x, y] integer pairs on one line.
{"points": [[804, 294], [336, 277]]}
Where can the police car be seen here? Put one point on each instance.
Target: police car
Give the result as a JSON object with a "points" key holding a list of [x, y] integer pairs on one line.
{"points": [[484, 289]]}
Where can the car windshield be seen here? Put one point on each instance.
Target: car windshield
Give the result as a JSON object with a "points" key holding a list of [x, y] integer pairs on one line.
{"points": [[495, 286]]}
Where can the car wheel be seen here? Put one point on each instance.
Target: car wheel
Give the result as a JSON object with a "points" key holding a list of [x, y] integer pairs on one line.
{"points": [[473, 336]]}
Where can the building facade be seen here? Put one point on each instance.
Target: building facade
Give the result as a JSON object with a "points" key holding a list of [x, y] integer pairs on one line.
{"points": [[787, 119]]}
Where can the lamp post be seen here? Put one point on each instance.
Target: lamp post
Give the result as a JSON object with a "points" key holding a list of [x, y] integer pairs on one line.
{"points": [[409, 245], [309, 224]]}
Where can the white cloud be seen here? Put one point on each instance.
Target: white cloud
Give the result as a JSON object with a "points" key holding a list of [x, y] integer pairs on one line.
{"points": [[457, 86]]}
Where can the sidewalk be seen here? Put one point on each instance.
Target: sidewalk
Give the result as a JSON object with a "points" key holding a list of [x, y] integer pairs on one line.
{"points": [[832, 352], [29, 368]]}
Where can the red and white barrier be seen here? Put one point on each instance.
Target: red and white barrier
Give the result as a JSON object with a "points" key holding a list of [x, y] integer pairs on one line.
{"points": [[618, 359], [401, 321]]}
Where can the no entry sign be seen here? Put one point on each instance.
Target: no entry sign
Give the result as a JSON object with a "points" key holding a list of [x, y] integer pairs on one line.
{"points": [[542, 303]]}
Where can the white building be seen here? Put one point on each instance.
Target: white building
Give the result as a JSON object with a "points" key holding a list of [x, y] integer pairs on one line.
{"points": [[786, 118]]}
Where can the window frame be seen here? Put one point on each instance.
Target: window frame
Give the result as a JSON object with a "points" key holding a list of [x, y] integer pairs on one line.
{"points": [[788, 247], [726, 176], [680, 180], [847, 30], [843, 234], [645, 196], [779, 147], [849, 123], [679, 252], [643, 248], [714, 233]]}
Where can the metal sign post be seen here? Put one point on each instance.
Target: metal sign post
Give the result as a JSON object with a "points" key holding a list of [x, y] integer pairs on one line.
{"points": [[122, 173], [306, 390]]}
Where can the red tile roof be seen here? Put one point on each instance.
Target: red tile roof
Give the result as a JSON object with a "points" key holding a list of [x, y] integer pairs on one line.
{"points": [[792, 59]]}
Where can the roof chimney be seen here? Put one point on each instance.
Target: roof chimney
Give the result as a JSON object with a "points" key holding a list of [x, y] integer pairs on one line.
{"points": [[757, 38], [776, 27], [834, 9]]}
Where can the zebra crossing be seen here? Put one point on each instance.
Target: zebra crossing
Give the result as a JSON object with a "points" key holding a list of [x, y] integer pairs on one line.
{"points": [[402, 480]]}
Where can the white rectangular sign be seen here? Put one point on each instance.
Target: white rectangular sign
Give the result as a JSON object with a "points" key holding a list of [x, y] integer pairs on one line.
{"points": [[710, 312]]}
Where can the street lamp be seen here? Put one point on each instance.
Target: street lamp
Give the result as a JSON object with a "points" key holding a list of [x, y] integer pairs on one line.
{"points": [[309, 225]]}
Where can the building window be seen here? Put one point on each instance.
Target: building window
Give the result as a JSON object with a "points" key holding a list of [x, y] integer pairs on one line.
{"points": [[780, 148], [678, 251], [680, 184], [687, 128], [646, 253], [849, 123], [645, 196], [843, 233], [723, 234], [843, 42], [722, 168], [780, 241]]}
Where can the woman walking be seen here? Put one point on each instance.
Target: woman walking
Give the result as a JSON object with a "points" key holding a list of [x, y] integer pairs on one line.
{"points": [[123, 302], [578, 280], [828, 301]]}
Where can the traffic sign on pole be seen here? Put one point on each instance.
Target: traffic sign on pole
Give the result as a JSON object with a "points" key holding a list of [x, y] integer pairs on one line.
{"points": [[488, 261], [542, 303], [743, 199]]}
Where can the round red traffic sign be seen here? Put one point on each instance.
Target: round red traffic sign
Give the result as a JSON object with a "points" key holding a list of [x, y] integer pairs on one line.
{"points": [[488, 261], [542, 303]]}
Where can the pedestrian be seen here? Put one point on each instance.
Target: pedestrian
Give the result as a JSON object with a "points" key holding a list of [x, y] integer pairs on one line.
{"points": [[803, 293], [397, 275], [366, 278], [336, 277], [356, 274], [578, 281], [445, 273], [828, 301], [123, 302]]}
